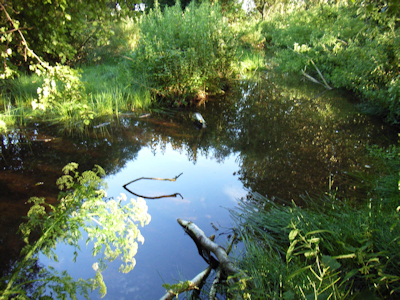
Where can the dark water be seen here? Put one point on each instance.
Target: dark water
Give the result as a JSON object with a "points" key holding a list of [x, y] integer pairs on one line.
{"points": [[275, 136]]}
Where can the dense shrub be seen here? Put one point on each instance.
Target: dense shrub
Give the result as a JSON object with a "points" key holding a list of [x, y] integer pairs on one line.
{"points": [[184, 55], [351, 51]]}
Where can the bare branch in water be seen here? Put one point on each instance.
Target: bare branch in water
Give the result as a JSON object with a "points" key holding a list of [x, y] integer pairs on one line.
{"points": [[153, 178]]}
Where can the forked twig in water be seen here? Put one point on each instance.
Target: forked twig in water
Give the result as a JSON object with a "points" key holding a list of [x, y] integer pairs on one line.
{"points": [[153, 178]]}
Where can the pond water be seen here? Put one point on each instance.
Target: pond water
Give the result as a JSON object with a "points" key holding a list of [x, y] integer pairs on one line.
{"points": [[275, 135]]}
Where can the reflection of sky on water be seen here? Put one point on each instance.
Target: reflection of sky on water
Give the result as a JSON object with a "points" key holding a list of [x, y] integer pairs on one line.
{"points": [[168, 254]]}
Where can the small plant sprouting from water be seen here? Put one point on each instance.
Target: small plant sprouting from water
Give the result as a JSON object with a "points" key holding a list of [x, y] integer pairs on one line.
{"points": [[110, 224]]}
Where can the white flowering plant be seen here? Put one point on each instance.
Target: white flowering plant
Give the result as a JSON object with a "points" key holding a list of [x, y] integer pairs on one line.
{"points": [[112, 226]]}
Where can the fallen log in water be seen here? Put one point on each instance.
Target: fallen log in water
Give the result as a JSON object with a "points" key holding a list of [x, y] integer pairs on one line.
{"points": [[205, 244], [201, 239]]}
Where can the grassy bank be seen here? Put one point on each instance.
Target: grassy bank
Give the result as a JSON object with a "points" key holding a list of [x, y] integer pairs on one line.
{"points": [[106, 90], [354, 46], [192, 56], [329, 250]]}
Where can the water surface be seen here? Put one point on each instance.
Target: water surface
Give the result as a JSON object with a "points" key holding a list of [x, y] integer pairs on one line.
{"points": [[272, 135]]}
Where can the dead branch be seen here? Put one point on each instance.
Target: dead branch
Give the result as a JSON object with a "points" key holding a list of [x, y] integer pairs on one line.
{"points": [[312, 78], [216, 281], [218, 275], [322, 77], [195, 284], [224, 261], [25, 44], [153, 178]]}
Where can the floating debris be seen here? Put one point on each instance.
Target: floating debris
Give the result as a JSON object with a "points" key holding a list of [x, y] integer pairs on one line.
{"points": [[145, 116], [102, 125], [42, 140], [213, 226], [199, 120]]}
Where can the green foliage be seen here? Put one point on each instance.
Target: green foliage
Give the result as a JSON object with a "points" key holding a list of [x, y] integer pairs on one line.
{"points": [[350, 49], [287, 252], [183, 56], [151, 4], [76, 29], [328, 250], [177, 288], [122, 39], [110, 224], [387, 184], [56, 30], [63, 94]]}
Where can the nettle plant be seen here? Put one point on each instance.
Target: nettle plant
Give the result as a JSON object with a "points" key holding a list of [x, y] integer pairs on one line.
{"points": [[112, 226]]}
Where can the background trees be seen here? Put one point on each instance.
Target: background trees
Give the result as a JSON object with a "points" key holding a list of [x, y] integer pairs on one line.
{"points": [[57, 31]]}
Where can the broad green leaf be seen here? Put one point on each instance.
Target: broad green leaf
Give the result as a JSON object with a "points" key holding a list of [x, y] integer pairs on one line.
{"points": [[330, 262]]}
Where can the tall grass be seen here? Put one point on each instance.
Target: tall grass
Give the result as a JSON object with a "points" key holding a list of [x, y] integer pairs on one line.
{"points": [[106, 91], [110, 91], [15, 98], [327, 250], [311, 253]]}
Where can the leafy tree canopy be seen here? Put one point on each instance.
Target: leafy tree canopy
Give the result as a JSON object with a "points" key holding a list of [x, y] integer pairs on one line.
{"points": [[57, 31]]}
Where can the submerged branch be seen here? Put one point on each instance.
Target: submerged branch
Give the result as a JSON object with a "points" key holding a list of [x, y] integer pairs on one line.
{"points": [[193, 284], [224, 267], [153, 178]]}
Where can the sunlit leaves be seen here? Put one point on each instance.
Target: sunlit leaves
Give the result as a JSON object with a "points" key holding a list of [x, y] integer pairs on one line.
{"points": [[110, 224], [62, 97]]}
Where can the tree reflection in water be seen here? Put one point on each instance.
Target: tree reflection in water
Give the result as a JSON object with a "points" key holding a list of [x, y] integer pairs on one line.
{"points": [[291, 143]]}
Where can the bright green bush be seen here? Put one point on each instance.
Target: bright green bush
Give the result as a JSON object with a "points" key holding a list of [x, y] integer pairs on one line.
{"points": [[183, 56], [350, 52]]}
